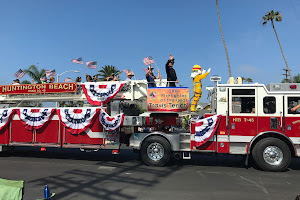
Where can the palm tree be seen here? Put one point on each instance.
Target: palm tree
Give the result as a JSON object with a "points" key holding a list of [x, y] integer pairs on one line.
{"points": [[229, 69], [106, 71], [296, 79], [34, 73], [249, 80], [25, 82], [271, 16]]}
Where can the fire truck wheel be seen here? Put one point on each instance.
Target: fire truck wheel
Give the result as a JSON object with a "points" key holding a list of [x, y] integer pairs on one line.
{"points": [[156, 151], [271, 154]]}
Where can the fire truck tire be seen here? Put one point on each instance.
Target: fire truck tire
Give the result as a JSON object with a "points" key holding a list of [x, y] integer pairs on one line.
{"points": [[156, 151], [271, 154]]}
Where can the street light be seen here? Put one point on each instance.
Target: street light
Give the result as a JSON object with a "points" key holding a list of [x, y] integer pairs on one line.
{"points": [[58, 75], [57, 79]]}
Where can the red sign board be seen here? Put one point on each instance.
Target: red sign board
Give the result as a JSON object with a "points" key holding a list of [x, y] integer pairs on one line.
{"points": [[38, 88], [168, 99]]}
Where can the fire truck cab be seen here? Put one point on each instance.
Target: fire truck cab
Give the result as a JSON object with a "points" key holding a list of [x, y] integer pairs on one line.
{"points": [[259, 121]]}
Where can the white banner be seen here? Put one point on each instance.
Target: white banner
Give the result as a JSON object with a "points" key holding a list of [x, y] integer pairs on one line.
{"points": [[205, 129], [98, 93], [110, 123], [34, 118], [77, 120], [5, 116]]}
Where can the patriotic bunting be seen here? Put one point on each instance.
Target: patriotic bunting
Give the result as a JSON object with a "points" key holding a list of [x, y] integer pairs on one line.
{"points": [[110, 123], [98, 93], [35, 118], [77, 120], [205, 129], [5, 116]]}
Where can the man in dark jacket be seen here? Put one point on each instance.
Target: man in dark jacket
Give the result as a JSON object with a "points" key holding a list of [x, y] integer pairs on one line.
{"points": [[171, 74]]}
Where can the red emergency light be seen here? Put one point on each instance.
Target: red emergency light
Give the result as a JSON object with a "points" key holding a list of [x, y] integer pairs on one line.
{"points": [[293, 86]]}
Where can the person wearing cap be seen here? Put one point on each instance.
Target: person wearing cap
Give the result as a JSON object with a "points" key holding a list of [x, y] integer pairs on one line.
{"points": [[151, 78], [95, 78], [112, 77], [197, 75], [171, 73], [16, 82], [129, 76]]}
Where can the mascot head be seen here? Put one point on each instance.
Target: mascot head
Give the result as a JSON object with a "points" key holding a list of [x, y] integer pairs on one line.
{"points": [[196, 71]]}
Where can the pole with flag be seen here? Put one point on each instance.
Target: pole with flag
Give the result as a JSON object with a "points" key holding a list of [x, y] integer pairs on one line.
{"points": [[78, 61], [91, 64], [19, 74], [68, 79], [50, 73]]}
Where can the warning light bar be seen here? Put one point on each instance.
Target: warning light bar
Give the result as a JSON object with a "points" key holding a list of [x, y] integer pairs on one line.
{"points": [[293, 86]]}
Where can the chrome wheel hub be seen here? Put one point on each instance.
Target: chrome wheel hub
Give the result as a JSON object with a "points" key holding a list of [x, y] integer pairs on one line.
{"points": [[273, 155], [155, 151]]}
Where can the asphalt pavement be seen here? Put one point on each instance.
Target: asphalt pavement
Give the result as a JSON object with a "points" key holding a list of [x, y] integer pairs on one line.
{"points": [[72, 174]]}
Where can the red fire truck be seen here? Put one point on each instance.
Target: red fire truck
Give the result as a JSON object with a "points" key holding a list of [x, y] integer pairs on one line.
{"points": [[252, 119]]}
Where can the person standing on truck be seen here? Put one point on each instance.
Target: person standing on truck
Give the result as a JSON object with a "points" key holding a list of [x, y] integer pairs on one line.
{"points": [[151, 78], [16, 82], [171, 73]]}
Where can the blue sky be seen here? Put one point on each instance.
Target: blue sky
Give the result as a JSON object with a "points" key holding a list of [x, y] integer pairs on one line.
{"points": [[123, 32]]}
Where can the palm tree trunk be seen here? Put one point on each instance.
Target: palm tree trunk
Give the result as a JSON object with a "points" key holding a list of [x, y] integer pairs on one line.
{"points": [[223, 39], [287, 67]]}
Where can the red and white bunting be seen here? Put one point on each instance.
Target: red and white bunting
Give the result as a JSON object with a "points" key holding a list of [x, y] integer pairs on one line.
{"points": [[35, 118], [205, 129], [98, 93], [5, 116], [110, 123], [77, 120]]}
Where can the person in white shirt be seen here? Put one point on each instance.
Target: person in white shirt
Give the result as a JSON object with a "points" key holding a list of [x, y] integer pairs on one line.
{"points": [[16, 82]]}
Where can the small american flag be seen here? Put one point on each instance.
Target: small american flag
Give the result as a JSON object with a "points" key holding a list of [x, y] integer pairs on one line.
{"points": [[148, 60], [145, 69], [78, 61], [19, 74], [50, 73], [126, 71], [91, 65], [68, 80]]}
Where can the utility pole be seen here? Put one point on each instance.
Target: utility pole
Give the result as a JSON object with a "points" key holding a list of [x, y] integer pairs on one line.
{"points": [[286, 75]]}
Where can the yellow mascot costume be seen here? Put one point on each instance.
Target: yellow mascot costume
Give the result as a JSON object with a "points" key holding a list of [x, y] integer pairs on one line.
{"points": [[197, 76]]}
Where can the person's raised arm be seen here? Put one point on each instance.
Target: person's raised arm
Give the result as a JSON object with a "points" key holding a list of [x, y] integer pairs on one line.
{"points": [[295, 108]]}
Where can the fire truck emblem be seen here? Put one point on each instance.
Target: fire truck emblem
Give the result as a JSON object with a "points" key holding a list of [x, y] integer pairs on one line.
{"points": [[158, 121]]}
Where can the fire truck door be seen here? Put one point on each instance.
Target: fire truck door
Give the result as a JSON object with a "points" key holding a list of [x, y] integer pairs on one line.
{"points": [[242, 122], [292, 118]]}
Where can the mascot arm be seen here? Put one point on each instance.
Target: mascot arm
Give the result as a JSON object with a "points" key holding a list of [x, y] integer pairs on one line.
{"points": [[203, 76]]}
